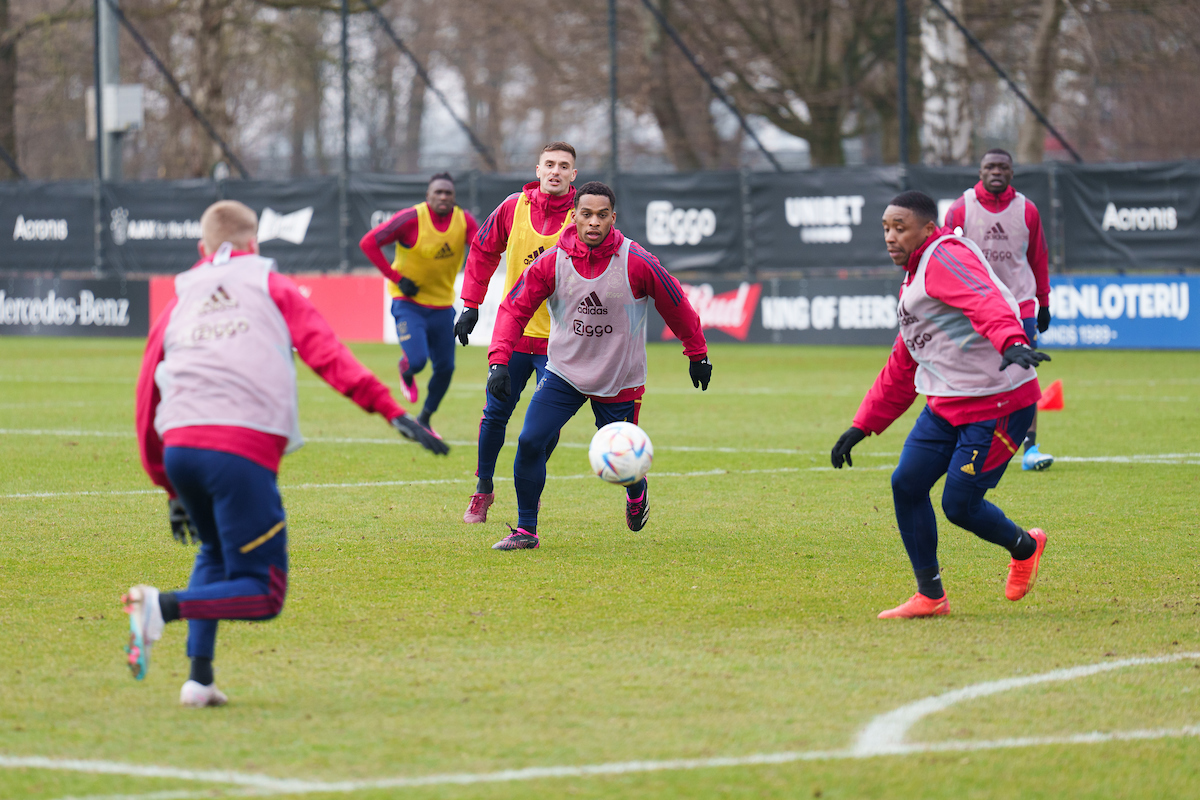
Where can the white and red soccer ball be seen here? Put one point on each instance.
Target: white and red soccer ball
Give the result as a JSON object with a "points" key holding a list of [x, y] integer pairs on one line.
{"points": [[621, 452]]}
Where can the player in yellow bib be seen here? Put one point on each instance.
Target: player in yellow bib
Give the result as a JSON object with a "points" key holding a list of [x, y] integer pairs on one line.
{"points": [[431, 241], [524, 226]]}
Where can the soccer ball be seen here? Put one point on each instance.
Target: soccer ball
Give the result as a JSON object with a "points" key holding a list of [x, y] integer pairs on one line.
{"points": [[621, 453]]}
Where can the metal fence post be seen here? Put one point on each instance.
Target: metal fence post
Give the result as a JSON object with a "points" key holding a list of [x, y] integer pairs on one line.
{"points": [[749, 270]]}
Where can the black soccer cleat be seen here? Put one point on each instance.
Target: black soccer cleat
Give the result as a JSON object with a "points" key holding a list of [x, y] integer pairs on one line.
{"points": [[637, 511], [517, 539]]}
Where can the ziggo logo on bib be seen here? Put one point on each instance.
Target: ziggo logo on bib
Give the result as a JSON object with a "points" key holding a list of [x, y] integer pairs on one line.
{"points": [[917, 342], [591, 330]]}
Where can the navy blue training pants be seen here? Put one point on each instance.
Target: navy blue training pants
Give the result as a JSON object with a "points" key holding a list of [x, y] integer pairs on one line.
{"points": [[973, 458], [427, 335], [497, 412], [554, 402], [241, 569]]}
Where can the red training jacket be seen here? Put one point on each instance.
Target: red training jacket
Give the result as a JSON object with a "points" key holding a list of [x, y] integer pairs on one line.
{"points": [[546, 213], [402, 229], [1037, 253], [646, 277], [317, 346], [895, 388]]}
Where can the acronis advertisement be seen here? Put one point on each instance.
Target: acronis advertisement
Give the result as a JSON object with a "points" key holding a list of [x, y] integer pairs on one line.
{"points": [[1151, 312]]}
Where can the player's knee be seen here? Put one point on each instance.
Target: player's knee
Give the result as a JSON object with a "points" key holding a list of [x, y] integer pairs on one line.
{"points": [[905, 484], [959, 506]]}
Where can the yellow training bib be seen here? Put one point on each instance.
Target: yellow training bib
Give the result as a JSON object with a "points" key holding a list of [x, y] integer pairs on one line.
{"points": [[524, 246], [434, 260]]}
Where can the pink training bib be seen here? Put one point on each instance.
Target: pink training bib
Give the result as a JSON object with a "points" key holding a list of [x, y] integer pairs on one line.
{"points": [[597, 328], [227, 353], [952, 359], [1004, 240]]}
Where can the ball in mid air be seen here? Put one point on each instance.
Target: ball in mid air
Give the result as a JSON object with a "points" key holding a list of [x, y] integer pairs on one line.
{"points": [[621, 452]]}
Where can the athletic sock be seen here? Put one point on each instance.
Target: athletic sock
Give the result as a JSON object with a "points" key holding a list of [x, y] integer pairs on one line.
{"points": [[1030, 440], [424, 416], [929, 582], [202, 671], [169, 606], [1024, 548], [483, 486], [637, 491]]}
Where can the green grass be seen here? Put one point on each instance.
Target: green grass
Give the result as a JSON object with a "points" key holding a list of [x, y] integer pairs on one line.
{"points": [[741, 621]]}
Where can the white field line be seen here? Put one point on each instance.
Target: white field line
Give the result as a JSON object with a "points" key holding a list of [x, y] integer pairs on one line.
{"points": [[446, 481], [397, 441], [890, 729], [1149, 458], [883, 736]]}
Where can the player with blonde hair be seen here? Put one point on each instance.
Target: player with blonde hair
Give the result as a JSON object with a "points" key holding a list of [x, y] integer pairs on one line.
{"points": [[216, 411]]}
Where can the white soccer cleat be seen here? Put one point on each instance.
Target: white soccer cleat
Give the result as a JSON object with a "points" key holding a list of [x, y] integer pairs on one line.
{"points": [[197, 695], [145, 626]]}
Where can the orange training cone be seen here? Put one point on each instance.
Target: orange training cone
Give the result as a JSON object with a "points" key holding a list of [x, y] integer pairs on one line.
{"points": [[1052, 398]]}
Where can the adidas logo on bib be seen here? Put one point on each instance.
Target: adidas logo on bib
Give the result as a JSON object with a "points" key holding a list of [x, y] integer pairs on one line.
{"points": [[445, 252], [591, 305], [996, 232]]}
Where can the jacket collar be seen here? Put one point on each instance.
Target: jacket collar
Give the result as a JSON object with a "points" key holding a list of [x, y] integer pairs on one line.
{"points": [[575, 247], [548, 203]]}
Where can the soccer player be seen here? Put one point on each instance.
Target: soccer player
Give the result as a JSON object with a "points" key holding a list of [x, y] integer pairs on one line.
{"points": [[597, 285], [431, 245], [216, 411], [523, 227], [1007, 227], [961, 343]]}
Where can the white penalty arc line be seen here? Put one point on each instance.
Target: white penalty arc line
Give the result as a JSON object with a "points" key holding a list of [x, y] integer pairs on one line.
{"points": [[446, 481], [883, 736]]}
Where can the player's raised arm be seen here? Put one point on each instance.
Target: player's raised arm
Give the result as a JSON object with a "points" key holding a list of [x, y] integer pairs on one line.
{"points": [[401, 229], [319, 348]]}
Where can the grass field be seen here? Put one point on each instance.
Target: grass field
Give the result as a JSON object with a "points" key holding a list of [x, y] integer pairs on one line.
{"points": [[412, 660]]}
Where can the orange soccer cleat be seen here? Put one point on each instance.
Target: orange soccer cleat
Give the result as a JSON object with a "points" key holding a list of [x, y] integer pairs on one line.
{"points": [[1022, 574], [918, 606]]}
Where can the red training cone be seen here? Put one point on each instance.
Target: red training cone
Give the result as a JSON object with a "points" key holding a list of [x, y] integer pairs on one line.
{"points": [[1052, 398]]}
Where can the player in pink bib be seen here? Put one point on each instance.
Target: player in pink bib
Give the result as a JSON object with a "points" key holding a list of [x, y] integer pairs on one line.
{"points": [[597, 286], [216, 411], [1008, 229], [961, 343]]}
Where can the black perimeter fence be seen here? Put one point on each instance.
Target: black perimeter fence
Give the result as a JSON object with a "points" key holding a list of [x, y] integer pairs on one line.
{"points": [[819, 223]]}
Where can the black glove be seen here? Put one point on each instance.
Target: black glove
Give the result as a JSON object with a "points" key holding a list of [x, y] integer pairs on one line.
{"points": [[1043, 320], [181, 524], [414, 431], [499, 384], [1022, 355], [701, 373], [466, 324], [407, 287], [841, 450]]}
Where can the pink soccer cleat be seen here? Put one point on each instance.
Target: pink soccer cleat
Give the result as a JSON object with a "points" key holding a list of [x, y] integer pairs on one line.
{"points": [[478, 507], [408, 385]]}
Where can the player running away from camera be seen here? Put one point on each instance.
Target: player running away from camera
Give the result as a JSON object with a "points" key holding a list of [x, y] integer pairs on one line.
{"points": [[523, 227], [216, 411], [597, 285], [431, 241], [962, 345], [1006, 226]]}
